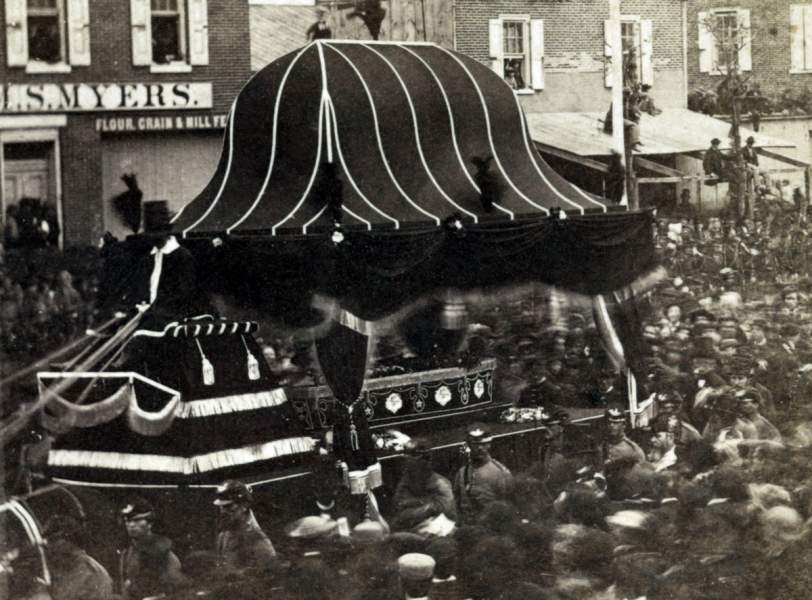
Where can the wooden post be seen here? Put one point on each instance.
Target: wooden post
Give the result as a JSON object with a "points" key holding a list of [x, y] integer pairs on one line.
{"points": [[616, 41], [808, 184]]}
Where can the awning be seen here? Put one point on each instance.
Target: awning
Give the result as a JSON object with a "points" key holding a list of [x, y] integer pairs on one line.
{"points": [[674, 131], [400, 127], [403, 126]]}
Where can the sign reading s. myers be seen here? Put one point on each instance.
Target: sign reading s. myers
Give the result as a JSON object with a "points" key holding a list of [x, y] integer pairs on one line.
{"points": [[80, 97]]}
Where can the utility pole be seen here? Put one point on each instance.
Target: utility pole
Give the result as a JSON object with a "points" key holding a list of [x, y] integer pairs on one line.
{"points": [[618, 121]]}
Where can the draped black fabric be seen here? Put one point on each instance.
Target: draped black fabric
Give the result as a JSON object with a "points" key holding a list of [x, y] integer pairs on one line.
{"points": [[373, 273], [626, 318], [342, 354]]}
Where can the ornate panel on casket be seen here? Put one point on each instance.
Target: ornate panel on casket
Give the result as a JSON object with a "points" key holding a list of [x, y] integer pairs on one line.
{"points": [[398, 400]]}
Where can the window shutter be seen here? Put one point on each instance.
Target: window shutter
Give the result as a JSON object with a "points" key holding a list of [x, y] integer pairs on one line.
{"points": [[607, 53], [495, 46], [141, 26], [706, 43], [805, 34], [198, 32], [797, 56], [16, 33], [79, 32], [647, 51], [537, 53], [745, 56]]}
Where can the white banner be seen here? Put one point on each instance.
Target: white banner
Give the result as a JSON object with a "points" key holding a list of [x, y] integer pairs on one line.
{"points": [[83, 97]]}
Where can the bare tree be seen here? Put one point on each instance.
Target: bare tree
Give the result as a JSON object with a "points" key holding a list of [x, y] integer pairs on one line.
{"points": [[730, 38]]}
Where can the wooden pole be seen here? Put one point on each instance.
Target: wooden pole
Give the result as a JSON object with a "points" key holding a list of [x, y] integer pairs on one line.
{"points": [[616, 41]]}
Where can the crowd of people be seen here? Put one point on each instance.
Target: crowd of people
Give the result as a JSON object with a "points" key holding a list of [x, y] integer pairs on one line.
{"points": [[709, 496]]}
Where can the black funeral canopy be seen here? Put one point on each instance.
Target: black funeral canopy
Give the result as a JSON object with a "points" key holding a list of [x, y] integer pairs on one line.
{"points": [[403, 126]]}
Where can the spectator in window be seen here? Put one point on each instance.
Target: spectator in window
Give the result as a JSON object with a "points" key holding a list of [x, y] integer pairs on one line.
{"points": [[43, 43], [320, 30], [513, 74]]}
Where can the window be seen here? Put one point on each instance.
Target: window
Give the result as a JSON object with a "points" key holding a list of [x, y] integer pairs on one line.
{"points": [[724, 40], [800, 21], [169, 35], [168, 31], [516, 48], [636, 44], [47, 35], [45, 31]]}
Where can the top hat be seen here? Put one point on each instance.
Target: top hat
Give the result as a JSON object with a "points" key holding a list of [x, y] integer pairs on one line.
{"points": [[157, 220]]}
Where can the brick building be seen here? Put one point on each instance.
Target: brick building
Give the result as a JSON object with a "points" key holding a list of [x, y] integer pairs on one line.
{"points": [[777, 36], [559, 49], [91, 90]]}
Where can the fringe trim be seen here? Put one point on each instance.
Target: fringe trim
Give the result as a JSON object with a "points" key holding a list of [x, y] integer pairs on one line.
{"points": [[152, 423], [66, 414], [175, 329], [363, 481], [231, 404], [179, 464]]}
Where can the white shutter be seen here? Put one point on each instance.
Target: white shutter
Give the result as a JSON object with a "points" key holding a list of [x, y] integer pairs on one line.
{"points": [[706, 43], [495, 46], [797, 52], [646, 51], [745, 56], [141, 27], [79, 32], [537, 53], [198, 32], [16, 33], [607, 53]]}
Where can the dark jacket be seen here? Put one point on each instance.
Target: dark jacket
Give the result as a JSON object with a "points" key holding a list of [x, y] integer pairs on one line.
{"points": [[149, 568]]}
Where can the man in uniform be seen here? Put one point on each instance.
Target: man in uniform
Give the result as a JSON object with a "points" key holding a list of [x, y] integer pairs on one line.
{"points": [[619, 449], [241, 543], [482, 480], [148, 567]]}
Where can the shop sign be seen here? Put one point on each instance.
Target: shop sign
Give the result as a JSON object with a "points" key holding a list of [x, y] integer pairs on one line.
{"points": [[161, 123], [83, 97]]}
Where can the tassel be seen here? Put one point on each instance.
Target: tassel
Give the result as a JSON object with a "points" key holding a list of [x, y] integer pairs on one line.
{"points": [[206, 366], [253, 364], [354, 438]]}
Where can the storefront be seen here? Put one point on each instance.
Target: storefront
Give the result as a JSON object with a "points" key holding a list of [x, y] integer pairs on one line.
{"points": [[70, 164]]}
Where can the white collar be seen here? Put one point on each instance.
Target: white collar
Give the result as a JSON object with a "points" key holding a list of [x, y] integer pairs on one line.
{"points": [[168, 248]]}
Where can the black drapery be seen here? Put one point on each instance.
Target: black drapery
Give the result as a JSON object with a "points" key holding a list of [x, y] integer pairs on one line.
{"points": [[374, 273], [342, 354]]}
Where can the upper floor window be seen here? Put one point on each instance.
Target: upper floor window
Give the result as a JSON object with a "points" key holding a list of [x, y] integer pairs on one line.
{"points": [[800, 28], [516, 48], [724, 40], [636, 47], [169, 35], [47, 35]]}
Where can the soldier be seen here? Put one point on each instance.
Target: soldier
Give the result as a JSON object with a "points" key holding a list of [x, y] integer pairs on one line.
{"points": [[482, 480], [148, 567], [241, 543], [617, 447], [416, 572]]}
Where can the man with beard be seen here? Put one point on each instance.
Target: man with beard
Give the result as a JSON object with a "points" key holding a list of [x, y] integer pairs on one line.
{"points": [[241, 543], [421, 493], [482, 480]]}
